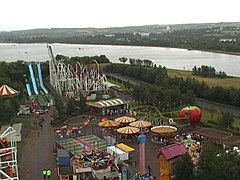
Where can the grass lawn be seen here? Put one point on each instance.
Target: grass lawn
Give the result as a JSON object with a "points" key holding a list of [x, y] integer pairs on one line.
{"points": [[224, 82], [212, 116], [236, 122]]}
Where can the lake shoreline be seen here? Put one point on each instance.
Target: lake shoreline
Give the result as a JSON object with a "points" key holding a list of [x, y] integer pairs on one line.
{"points": [[173, 58]]}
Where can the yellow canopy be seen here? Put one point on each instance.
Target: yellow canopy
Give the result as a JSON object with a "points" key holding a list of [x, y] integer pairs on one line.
{"points": [[125, 147]]}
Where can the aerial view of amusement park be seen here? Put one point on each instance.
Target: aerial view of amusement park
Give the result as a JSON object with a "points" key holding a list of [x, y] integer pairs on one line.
{"points": [[121, 101], [84, 119]]}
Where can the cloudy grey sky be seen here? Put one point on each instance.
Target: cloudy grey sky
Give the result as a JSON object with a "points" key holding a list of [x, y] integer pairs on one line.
{"points": [[30, 14]]}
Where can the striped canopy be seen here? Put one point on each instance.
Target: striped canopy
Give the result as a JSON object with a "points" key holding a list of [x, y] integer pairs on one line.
{"points": [[6, 91], [125, 119], [108, 124], [107, 103], [128, 130], [140, 124]]}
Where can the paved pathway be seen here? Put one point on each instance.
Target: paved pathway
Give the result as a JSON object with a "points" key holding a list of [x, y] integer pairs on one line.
{"points": [[38, 153]]}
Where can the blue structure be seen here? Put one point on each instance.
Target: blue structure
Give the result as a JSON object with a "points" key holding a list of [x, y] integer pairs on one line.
{"points": [[142, 138], [33, 79], [41, 78], [28, 89]]}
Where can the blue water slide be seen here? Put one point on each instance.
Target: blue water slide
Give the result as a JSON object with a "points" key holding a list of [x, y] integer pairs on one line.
{"points": [[33, 79], [28, 89], [41, 78]]}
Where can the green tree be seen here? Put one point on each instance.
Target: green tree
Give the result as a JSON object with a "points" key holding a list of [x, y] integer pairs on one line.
{"points": [[226, 120], [210, 164], [70, 107], [183, 169], [123, 59]]}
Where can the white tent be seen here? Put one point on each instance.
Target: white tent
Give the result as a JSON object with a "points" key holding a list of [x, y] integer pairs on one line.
{"points": [[121, 154]]}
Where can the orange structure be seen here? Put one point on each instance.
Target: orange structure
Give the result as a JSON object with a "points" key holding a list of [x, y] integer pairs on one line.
{"points": [[167, 156]]}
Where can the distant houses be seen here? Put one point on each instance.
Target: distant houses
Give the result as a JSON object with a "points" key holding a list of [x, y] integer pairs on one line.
{"points": [[227, 40]]}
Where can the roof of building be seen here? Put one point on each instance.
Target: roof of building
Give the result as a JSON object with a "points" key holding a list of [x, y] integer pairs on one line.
{"points": [[172, 151], [62, 153], [125, 147], [106, 103]]}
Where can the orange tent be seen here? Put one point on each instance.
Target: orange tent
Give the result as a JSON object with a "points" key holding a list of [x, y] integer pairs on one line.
{"points": [[108, 124], [125, 119]]}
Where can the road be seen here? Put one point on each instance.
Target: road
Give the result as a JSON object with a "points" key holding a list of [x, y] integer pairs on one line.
{"points": [[212, 105], [38, 152]]}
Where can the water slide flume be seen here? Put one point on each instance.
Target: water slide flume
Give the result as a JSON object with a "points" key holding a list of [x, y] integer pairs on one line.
{"points": [[41, 78], [28, 89], [33, 79]]}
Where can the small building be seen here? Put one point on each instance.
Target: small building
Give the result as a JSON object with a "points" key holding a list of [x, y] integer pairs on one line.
{"points": [[167, 157], [65, 170], [118, 153], [63, 157], [109, 107]]}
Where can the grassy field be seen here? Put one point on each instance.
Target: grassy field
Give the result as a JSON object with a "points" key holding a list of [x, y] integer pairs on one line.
{"points": [[225, 82], [211, 82]]}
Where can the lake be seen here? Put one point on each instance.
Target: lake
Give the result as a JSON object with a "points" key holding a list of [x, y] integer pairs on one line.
{"points": [[169, 57]]}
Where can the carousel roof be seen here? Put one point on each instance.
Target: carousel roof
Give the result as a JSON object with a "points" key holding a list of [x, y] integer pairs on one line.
{"points": [[108, 123], [125, 119], [163, 129], [128, 130], [6, 91], [140, 124]]}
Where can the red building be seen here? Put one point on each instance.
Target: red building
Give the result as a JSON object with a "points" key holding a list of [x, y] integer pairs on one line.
{"points": [[167, 158]]}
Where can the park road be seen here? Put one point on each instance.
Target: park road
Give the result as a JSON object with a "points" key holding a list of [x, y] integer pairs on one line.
{"points": [[38, 153]]}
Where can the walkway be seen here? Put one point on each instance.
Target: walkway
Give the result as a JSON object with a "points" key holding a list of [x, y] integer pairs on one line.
{"points": [[38, 153]]}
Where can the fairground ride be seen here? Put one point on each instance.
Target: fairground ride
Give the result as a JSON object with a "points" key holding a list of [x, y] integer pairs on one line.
{"points": [[153, 111], [8, 156], [70, 82]]}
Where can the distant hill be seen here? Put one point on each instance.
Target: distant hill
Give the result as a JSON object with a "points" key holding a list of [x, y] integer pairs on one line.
{"points": [[111, 30], [222, 37]]}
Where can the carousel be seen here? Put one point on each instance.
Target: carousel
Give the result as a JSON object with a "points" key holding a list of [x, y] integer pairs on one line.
{"points": [[125, 119], [163, 134], [6, 92], [108, 124], [143, 125], [128, 132]]}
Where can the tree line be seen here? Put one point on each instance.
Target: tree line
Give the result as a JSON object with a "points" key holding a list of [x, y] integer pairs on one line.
{"points": [[208, 71], [169, 90], [137, 62], [84, 60], [208, 38]]}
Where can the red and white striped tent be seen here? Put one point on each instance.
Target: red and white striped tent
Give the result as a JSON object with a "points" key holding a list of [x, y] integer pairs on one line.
{"points": [[6, 91]]}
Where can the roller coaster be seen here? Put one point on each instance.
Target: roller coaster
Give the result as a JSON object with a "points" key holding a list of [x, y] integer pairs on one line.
{"points": [[153, 111], [8, 156], [70, 82]]}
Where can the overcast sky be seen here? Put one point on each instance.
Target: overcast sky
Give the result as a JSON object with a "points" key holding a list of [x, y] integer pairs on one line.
{"points": [[31, 14]]}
